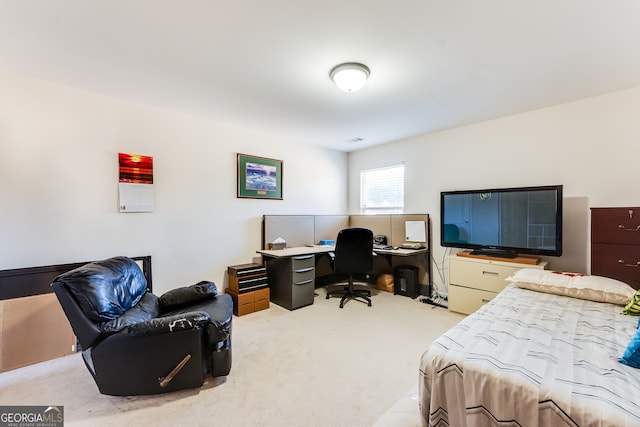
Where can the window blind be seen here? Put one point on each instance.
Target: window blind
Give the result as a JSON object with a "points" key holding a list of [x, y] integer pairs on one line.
{"points": [[382, 189]]}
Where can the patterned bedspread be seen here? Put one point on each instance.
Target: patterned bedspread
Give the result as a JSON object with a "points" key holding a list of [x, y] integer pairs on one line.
{"points": [[532, 359]]}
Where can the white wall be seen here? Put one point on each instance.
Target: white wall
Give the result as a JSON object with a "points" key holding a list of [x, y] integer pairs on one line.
{"points": [[59, 172], [59, 175], [591, 146]]}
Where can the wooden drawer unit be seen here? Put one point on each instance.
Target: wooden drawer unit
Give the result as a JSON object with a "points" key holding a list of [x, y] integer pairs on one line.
{"points": [[476, 281], [247, 277], [615, 244], [249, 302], [248, 287]]}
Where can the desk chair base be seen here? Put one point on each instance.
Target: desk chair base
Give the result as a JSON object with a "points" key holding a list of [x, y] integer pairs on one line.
{"points": [[348, 292]]}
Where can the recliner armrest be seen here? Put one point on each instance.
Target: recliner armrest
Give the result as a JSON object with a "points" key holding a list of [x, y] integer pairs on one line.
{"points": [[188, 295], [176, 322]]}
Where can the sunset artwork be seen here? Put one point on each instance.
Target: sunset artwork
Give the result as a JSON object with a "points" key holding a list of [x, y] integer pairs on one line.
{"points": [[135, 168], [135, 183]]}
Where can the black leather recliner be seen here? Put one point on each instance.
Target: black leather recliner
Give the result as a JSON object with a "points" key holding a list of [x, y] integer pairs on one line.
{"points": [[134, 342]]}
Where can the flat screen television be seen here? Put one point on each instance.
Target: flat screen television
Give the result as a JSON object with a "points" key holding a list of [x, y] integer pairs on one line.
{"points": [[503, 222]]}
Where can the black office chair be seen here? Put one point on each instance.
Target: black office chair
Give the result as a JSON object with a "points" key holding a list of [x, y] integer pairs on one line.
{"points": [[353, 254]]}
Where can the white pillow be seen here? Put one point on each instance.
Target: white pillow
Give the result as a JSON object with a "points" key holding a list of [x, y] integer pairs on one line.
{"points": [[576, 285]]}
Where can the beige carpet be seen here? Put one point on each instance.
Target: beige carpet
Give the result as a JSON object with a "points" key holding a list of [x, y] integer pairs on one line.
{"points": [[315, 366]]}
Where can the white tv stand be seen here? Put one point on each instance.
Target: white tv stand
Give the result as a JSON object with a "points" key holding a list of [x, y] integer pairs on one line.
{"points": [[474, 280]]}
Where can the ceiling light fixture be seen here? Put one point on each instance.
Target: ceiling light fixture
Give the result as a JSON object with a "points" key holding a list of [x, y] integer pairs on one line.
{"points": [[350, 76]]}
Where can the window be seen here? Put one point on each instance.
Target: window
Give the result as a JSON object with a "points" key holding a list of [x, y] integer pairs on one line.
{"points": [[382, 189]]}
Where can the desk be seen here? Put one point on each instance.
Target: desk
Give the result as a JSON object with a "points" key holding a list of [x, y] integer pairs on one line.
{"points": [[294, 272], [297, 251], [323, 249]]}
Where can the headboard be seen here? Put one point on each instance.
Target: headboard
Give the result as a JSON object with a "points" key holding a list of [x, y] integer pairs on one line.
{"points": [[23, 282]]}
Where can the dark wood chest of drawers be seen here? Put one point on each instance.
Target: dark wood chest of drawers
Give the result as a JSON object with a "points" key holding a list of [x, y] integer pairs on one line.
{"points": [[615, 244]]}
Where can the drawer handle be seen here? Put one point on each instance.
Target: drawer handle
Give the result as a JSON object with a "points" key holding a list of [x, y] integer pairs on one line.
{"points": [[302, 257], [305, 282], [622, 227], [636, 265], [492, 273], [304, 270]]}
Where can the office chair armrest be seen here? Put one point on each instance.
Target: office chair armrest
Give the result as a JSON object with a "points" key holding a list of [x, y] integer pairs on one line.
{"points": [[332, 259], [174, 323]]}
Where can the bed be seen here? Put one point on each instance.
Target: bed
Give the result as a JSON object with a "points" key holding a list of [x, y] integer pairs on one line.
{"points": [[532, 358]]}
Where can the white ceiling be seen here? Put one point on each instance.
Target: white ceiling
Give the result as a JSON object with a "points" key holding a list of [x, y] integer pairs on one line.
{"points": [[435, 64]]}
